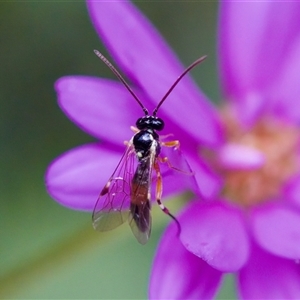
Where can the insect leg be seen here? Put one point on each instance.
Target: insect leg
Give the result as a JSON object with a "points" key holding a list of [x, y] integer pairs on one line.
{"points": [[134, 129], [159, 189], [176, 145]]}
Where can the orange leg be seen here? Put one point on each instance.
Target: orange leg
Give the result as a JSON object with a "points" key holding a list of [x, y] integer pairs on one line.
{"points": [[158, 194], [165, 136], [175, 144]]}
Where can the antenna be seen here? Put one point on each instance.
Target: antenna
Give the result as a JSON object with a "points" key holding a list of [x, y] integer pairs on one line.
{"points": [[115, 71], [195, 63]]}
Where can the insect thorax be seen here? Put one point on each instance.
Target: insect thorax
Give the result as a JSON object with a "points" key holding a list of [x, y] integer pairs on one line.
{"points": [[146, 141]]}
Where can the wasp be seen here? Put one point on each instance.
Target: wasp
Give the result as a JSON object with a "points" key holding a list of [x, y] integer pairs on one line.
{"points": [[127, 194]]}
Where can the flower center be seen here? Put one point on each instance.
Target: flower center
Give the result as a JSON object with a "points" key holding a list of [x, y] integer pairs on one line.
{"points": [[258, 161]]}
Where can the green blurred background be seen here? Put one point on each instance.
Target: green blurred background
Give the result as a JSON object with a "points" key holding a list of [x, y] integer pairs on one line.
{"points": [[48, 251]]}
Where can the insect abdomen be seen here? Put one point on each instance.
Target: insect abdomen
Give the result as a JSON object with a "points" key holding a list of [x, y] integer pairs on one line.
{"points": [[140, 202], [141, 215], [140, 182]]}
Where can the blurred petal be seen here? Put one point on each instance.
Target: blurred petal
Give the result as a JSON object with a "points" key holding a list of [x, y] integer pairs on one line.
{"points": [[292, 190], [103, 108], [216, 232], [277, 229], [286, 89], [149, 62], [177, 174], [255, 40], [76, 178], [178, 274], [209, 183], [237, 156], [269, 277]]}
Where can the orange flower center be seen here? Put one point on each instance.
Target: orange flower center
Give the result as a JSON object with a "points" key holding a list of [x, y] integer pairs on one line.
{"points": [[277, 142]]}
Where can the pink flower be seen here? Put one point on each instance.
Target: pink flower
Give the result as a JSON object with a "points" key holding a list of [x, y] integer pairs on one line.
{"points": [[245, 155], [250, 223], [106, 110]]}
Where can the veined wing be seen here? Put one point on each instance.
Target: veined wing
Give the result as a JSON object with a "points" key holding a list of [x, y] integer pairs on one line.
{"points": [[112, 207], [176, 172]]}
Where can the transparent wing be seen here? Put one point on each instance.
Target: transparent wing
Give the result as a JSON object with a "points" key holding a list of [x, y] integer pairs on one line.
{"points": [[140, 219], [112, 207], [176, 171]]}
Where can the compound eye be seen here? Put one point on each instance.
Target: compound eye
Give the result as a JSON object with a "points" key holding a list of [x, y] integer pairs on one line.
{"points": [[141, 124], [158, 124]]}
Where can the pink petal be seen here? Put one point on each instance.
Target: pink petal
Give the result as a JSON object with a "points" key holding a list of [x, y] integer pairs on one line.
{"points": [[292, 190], [269, 277], [255, 39], [76, 178], [216, 232], [277, 230], [178, 274], [103, 108], [237, 156], [286, 89], [177, 175], [148, 62], [209, 183]]}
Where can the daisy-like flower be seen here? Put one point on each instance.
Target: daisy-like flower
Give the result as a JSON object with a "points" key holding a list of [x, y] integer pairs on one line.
{"points": [[250, 222], [245, 155]]}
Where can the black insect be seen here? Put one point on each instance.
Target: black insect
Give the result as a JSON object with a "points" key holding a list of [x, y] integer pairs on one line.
{"points": [[127, 194]]}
